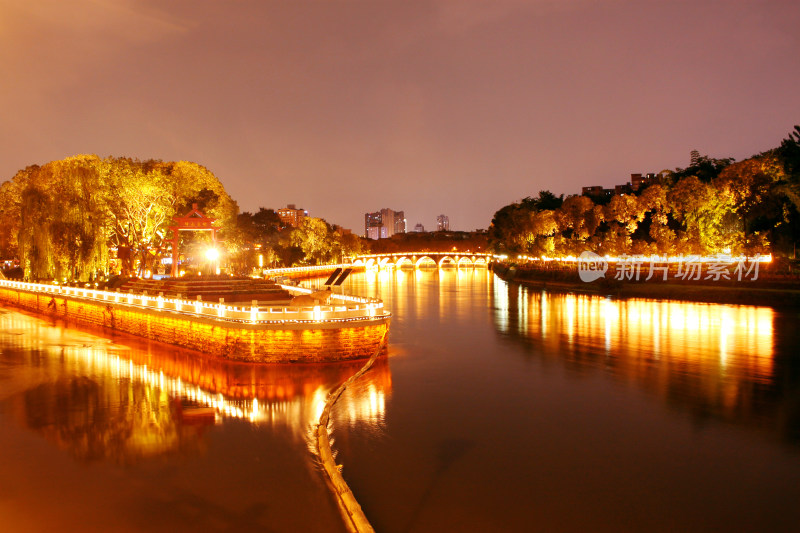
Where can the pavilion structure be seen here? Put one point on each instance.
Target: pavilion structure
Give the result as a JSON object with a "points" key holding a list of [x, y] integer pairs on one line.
{"points": [[194, 220]]}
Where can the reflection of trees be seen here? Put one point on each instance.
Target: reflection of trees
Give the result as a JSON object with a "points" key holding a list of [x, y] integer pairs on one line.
{"points": [[124, 403], [714, 361], [121, 421]]}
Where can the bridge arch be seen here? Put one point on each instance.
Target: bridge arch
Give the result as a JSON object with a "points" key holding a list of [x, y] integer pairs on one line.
{"points": [[417, 259], [425, 259], [446, 259], [403, 260]]}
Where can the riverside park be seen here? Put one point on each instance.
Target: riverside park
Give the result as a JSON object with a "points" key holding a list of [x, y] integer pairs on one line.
{"points": [[400, 267]]}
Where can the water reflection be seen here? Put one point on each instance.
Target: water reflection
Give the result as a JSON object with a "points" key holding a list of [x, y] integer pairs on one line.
{"points": [[712, 360], [133, 400]]}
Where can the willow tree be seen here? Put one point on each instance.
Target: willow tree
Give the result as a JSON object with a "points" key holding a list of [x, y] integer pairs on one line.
{"points": [[67, 215], [10, 214], [62, 219]]}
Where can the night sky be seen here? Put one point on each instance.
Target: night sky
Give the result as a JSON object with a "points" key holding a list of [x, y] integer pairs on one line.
{"points": [[457, 107]]}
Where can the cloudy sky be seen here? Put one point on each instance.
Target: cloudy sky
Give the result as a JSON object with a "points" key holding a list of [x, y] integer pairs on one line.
{"points": [[426, 106]]}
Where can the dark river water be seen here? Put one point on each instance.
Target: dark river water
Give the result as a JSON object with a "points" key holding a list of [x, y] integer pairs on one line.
{"points": [[497, 409]]}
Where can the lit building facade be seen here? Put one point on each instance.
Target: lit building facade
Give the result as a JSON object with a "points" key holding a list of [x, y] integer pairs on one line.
{"points": [[291, 215], [443, 223], [419, 228], [384, 223]]}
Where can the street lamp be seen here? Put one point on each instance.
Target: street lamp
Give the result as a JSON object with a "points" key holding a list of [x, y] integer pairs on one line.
{"points": [[212, 254]]}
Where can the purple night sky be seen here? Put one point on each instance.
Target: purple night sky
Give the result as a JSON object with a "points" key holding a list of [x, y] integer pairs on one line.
{"points": [[456, 107]]}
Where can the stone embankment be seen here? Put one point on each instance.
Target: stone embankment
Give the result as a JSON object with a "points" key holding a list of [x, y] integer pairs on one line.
{"points": [[771, 289], [349, 329]]}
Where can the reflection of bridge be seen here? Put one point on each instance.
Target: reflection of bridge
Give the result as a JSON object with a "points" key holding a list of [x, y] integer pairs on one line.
{"points": [[416, 259]]}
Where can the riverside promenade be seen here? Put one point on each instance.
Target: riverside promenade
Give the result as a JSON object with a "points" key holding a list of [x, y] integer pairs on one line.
{"points": [[347, 327], [772, 285]]}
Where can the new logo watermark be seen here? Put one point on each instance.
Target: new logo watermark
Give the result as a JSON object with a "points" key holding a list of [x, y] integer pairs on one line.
{"points": [[591, 266]]}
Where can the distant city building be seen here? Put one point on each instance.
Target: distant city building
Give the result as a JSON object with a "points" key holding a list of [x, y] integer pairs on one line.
{"points": [[597, 191], [384, 223], [373, 225], [377, 232], [637, 182], [291, 215], [419, 228], [625, 188], [399, 222], [442, 223]]}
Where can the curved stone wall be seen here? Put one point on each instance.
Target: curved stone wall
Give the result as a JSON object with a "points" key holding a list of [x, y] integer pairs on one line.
{"points": [[309, 342]]}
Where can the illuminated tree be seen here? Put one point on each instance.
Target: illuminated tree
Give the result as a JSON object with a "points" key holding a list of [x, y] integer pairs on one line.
{"points": [[62, 219], [10, 213], [514, 228], [347, 244], [256, 235], [750, 185], [313, 237], [147, 195], [708, 216], [766, 201], [577, 221], [543, 227], [140, 210], [67, 214], [626, 210]]}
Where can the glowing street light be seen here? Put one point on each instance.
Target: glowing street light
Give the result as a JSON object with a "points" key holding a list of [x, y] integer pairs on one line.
{"points": [[212, 254]]}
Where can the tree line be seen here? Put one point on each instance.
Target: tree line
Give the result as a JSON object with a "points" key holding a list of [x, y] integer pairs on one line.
{"points": [[86, 217], [261, 240], [712, 206]]}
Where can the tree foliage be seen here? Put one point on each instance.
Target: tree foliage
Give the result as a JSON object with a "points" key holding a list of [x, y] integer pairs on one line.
{"points": [[314, 241], [64, 217], [714, 205]]}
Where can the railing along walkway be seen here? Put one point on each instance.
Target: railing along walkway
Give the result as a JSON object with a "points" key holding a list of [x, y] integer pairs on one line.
{"points": [[347, 308]]}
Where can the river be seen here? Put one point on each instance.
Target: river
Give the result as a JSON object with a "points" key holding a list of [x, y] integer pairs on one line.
{"points": [[498, 409]]}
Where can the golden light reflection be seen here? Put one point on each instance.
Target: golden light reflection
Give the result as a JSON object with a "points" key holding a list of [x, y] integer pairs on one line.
{"points": [[160, 398], [719, 352]]}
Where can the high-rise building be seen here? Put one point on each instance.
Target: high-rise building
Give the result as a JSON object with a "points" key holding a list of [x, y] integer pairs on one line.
{"points": [[384, 223], [291, 216], [372, 225], [442, 223], [419, 228], [399, 222]]}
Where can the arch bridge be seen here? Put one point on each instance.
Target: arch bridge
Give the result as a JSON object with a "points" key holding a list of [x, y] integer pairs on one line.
{"points": [[416, 259]]}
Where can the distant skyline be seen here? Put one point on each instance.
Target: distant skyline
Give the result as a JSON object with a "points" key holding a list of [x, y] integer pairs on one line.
{"points": [[427, 107]]}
